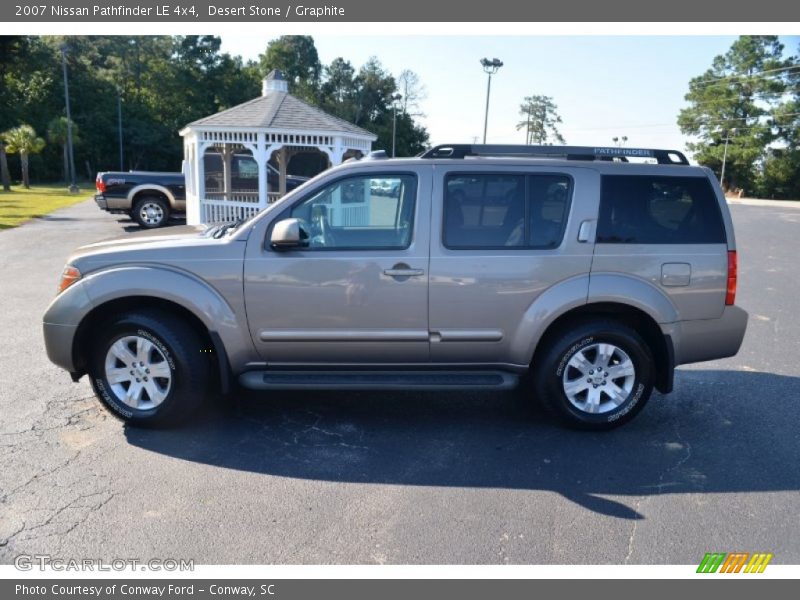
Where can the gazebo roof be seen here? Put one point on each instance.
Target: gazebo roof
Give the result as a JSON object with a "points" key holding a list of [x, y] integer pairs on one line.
{"points": [[277, 109]]}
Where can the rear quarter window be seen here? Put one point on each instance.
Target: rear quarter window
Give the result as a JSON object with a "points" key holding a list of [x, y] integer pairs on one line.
{"points": [[639, 209]]}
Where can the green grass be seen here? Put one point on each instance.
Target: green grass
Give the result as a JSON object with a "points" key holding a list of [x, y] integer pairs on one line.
{"points": [[20, 205]]}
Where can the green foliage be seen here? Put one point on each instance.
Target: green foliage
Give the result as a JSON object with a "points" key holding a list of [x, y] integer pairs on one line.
{"points": [[165, 83], [364, 97], [296, 56], [540, 120], [23, 140], [58, 133], [742, 99]]}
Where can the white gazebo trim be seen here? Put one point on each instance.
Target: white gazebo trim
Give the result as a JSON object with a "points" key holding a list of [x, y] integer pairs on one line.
{"points": [[260, 127]]}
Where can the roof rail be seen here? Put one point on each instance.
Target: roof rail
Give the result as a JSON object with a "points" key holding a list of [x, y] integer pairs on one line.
{"points": [[663, 157]]}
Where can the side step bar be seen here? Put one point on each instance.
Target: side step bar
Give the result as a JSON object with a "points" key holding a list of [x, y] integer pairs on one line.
{"points": [[377, 380]]}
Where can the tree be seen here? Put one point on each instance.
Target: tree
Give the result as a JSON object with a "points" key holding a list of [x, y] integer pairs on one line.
{"points": [[57, 133], [540, 120], [735, 100], [4, 175], [413, 91], [23, 140], [781, 172], [296, 56]]}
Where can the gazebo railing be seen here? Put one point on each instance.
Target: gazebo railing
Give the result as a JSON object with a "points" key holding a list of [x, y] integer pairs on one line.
{"points": [[215, 211], [251, 197], [241, 205]]}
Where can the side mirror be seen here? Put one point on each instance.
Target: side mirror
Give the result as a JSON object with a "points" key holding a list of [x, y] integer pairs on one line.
{"points": [[287, 234]]}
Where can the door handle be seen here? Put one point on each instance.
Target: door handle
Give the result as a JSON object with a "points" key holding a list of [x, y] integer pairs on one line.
{"points": [[403, 270]]}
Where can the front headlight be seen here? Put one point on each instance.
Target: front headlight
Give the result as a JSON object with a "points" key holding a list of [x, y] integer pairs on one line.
{"points": [[69, 276]]}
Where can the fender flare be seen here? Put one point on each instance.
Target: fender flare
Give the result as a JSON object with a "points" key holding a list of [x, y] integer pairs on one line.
{"points": [[181, 288], [634, 291], [560, 298], [144, 187], [584, 290]]}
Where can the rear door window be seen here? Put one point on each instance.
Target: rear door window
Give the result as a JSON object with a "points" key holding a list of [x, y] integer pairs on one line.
{"points": [[505, 210], [637, 209]]}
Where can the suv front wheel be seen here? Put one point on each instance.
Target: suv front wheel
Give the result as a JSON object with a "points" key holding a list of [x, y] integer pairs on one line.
{"points": [[150, 368], [596, 375]]}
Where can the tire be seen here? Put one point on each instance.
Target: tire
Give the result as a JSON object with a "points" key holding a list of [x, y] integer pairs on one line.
{"points": [[151, 212], [168, 347], [568, 383]]}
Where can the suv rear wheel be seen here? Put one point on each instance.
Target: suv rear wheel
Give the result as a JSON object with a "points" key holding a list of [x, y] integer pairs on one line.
{"points": [[596, 375], [149, 369], [151, 212]]}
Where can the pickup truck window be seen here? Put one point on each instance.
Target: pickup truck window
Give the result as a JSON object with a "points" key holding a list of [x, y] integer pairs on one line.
{"points": [[498, 211], [360, 212]]}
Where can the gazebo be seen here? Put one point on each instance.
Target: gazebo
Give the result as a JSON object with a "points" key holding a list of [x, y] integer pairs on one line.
{"points": [[236, 161]]}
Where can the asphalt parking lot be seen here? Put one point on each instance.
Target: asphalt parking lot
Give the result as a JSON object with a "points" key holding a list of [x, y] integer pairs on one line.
{"points": [[405, 478]]}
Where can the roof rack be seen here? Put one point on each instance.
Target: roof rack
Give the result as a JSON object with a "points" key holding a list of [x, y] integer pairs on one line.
{"points": [[663, 157]]}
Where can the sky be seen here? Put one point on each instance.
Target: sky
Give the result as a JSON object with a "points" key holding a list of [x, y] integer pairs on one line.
{"points": [[604, 86]]}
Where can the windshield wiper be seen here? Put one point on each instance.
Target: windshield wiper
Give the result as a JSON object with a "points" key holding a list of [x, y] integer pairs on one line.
{"points": [[228, 227]]}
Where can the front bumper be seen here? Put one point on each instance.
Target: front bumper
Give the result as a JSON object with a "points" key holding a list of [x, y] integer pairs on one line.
{"points": [[59, 341], [709, 339], [60, 325]]}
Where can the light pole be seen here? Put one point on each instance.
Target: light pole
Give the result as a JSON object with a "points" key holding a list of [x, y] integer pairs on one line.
{"points": [[395, 100], [73, 187], [725, 157], [490, 67], [617, 141], [119, 127]]}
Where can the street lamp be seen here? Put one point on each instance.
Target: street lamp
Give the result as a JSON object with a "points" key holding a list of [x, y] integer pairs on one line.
{"points": [[73, 187], [725, 157], [395, 100], [617, 141], [119, 127], [490, 67]]}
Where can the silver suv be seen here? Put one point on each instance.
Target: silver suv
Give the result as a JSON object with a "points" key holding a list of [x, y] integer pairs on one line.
{"points": [[466, 267]]}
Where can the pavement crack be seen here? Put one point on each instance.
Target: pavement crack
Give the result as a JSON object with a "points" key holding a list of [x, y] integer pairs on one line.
{"points": [[661, 484]]}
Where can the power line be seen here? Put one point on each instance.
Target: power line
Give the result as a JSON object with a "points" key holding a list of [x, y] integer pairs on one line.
{"points": [[760, 96], [706, 122], [721, 81], [753, 74]]}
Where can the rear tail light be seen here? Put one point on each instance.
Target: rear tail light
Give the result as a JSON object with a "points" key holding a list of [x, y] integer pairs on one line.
{"points": [[101, 187], [733, 268]]}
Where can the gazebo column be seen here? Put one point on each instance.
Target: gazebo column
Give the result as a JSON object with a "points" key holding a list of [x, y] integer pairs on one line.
{"points": [[282, 160], [227, 155], [284, 156], [261, 155], [194, 206]]}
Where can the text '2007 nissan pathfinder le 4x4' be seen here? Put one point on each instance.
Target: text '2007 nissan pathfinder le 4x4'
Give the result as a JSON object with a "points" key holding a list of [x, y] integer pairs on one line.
{"points": [[473, 266]]}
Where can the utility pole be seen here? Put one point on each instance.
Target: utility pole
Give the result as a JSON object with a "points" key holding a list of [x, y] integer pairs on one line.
{"points": [[73, 187], [490, 67], [725, 158], [119, 126], [395, 99]]}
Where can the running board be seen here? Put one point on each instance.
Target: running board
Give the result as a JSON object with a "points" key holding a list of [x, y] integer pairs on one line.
{"points": [[377, 380]]}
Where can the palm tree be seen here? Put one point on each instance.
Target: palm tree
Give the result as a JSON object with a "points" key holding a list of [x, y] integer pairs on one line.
{"points": [[6, 179], [57, 134], [23, 140]]}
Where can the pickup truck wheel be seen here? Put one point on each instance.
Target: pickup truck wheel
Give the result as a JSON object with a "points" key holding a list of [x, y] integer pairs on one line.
{"points": [[597, 375], [151, 212], [149, 369]]}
